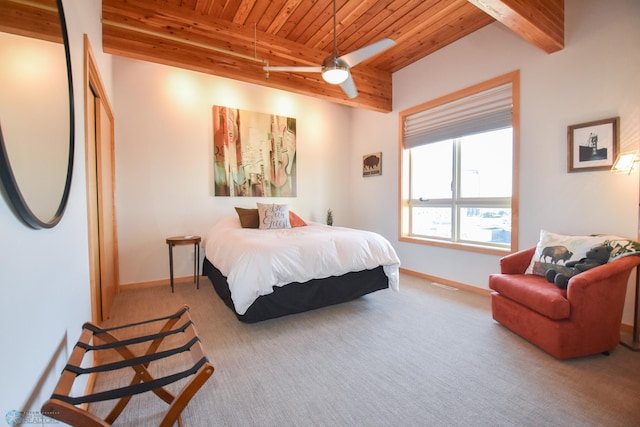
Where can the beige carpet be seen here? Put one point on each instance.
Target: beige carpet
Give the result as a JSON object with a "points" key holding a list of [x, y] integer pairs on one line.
{"points": [[425, 356]]}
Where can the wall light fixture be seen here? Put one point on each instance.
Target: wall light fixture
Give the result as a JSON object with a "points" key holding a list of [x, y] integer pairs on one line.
{"points": [[626, 162]]}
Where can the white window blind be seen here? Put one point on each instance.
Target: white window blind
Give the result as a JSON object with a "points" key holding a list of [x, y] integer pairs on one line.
{"points": [[480, 112]]}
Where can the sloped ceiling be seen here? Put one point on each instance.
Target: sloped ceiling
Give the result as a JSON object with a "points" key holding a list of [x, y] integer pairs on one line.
{"points": [[236, 38]]}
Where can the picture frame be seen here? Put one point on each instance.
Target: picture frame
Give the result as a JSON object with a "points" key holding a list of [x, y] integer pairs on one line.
{"points": [[593, 146], [372, 164]]}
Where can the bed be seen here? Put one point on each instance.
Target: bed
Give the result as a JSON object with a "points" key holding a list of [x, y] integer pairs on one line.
{"points": [[262, 274]]}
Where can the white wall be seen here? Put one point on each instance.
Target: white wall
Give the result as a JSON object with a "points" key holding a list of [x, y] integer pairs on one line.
{"points": [[164, 152], [44, 275], [596, 76]]}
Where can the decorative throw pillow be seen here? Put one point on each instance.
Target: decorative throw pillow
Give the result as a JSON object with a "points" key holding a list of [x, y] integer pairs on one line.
{"points": [[295, 220], [553, 250], [273, 216], [249, 218], [622, 247]]}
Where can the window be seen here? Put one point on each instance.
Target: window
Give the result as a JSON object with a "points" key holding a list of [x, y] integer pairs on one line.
{"points": [[459, 184]]}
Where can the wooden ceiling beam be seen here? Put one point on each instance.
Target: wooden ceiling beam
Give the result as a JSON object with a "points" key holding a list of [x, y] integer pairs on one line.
{"points": [[171, 36], [35, 19], [540, 22]]}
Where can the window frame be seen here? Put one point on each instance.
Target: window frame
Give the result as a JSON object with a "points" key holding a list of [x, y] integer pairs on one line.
{"points": [[405, 203]]}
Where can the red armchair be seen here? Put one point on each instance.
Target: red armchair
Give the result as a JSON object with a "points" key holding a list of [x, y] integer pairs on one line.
{"points": [[580, 321]]}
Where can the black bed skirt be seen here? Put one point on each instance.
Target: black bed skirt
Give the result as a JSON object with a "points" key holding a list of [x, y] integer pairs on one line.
{"points": [[298, 297]]}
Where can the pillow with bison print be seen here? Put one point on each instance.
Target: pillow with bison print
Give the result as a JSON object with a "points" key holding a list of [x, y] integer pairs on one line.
{"points": [[553, 250]]}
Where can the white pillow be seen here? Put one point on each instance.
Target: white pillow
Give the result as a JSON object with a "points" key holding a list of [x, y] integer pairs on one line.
{"points": [[553, 250], [273, 216]]}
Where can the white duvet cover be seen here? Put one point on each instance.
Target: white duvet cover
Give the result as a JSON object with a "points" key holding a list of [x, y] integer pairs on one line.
{"points": [[254, 260]]}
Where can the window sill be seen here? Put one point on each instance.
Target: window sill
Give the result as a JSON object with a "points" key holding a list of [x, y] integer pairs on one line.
{"points": [[458, 246]]}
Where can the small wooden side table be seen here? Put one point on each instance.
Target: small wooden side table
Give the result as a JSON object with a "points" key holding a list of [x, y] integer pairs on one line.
{"points": [[185, 240]]}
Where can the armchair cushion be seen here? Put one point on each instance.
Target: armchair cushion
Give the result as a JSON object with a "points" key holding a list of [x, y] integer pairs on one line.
{"points": [[534, 292]]}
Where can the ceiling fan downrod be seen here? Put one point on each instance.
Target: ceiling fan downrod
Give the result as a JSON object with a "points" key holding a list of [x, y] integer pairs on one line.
{"points": [[334, 69]]}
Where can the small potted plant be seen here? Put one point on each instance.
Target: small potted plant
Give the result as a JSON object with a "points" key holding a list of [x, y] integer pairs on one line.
{"points": [[329, 217]]}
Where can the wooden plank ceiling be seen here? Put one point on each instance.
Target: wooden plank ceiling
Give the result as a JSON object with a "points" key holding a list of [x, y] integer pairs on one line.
{"points": [[36, 19], [235, 38]]}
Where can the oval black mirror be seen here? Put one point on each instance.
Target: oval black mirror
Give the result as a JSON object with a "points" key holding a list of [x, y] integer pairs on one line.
{"points": [[36, 111]]}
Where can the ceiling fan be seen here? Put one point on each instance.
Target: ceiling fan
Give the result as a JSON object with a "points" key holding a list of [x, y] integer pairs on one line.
{"points": [[335, 69]]}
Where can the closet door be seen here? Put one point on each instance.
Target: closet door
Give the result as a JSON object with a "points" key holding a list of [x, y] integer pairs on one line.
{"points": [[100, 167], [106, 206]]}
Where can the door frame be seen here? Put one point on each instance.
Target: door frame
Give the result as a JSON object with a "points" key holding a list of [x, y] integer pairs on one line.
{"points": [[94, 88]]}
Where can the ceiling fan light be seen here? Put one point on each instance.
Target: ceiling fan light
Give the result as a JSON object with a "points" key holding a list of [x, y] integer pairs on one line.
{"points": [[335, 70], [335, 75]]}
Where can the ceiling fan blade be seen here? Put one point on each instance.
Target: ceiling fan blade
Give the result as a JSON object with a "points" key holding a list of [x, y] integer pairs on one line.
{"points": [[349, 87], [293, 69], [359, 55]]}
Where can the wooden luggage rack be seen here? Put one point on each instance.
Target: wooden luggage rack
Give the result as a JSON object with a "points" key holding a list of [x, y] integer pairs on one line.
{"points": [[63, 407]]}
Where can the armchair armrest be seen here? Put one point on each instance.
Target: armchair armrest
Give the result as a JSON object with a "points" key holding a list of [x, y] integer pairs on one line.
{"points": [[517, 262], [610, 273], [602, 286]]}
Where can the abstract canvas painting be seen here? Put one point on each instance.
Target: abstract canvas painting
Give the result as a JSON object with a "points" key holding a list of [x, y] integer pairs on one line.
{"points": [[254, 153]]}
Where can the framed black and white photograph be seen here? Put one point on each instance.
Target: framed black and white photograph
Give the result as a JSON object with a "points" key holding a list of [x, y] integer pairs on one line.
{"points": [[592, 146], [372, 164]]}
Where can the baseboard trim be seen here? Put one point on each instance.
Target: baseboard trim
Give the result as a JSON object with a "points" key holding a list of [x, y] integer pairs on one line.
{"points": [[626, 329], [447, 282], [162, 282]]}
